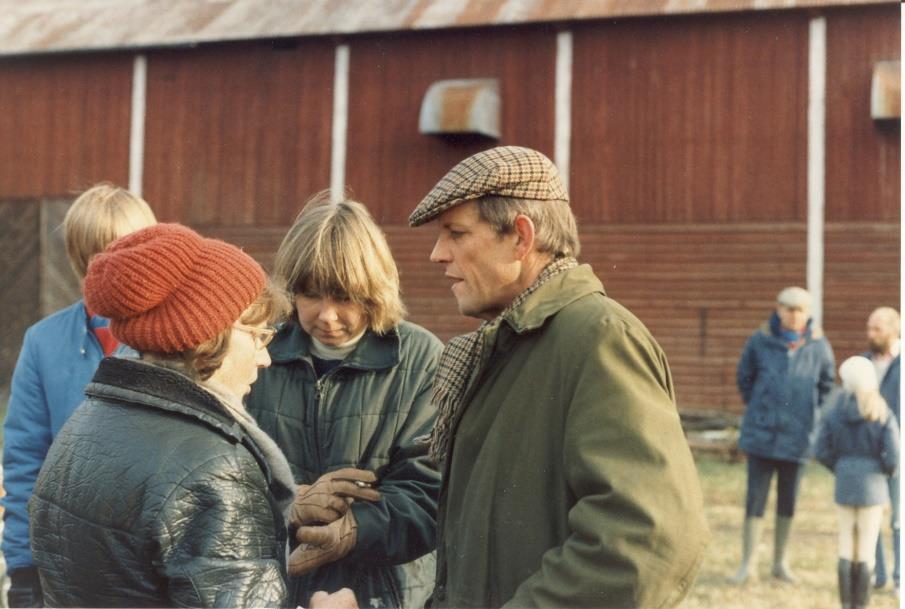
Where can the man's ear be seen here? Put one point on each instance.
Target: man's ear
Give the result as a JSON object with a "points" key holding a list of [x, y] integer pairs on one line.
{"points": [[524, 230]]}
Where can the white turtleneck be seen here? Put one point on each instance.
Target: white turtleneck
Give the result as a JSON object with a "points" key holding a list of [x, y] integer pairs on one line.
{"points": [[330, 352]]}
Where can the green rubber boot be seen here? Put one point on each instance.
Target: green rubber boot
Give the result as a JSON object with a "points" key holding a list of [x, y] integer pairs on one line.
{"points": [[750, 536], [781, 539]]}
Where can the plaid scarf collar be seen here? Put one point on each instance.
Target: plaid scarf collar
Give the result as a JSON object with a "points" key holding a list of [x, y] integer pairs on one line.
{"points": [[460, 359]]}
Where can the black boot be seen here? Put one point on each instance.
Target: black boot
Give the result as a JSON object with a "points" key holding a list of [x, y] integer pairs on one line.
{"points": [[844, 572], [861, 585]]}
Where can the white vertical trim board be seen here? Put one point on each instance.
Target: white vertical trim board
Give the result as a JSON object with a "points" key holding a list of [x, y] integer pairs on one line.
{"points": [[563, 103], [340, 123], [137, 126], [816, 162]]}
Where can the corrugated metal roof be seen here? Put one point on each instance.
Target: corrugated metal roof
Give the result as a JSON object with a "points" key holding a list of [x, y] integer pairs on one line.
{"points": [[40, 26]]}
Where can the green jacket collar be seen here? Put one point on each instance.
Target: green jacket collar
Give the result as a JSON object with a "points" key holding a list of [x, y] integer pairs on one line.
{"points": [[374, 352], [560, 291]]}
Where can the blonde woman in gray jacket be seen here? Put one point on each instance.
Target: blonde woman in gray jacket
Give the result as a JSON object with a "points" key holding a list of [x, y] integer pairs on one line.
{"points": [[859, 442]]}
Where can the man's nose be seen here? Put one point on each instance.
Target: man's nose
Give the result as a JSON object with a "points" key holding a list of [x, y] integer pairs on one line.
{"points": [[439, 253]]}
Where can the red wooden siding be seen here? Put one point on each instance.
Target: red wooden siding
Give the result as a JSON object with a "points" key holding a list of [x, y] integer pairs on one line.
{"points": [[64, 123], [863, 272], [701, 290], [390, 166], [862, 155], [688, 153], [238, 134], [690, 120]]}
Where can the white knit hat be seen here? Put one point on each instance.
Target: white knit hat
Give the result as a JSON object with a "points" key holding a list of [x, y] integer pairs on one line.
{"points": [[858, 374]]}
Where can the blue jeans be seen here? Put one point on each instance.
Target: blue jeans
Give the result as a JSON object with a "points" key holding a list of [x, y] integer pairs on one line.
{"points": [[760, 474], [894, 524]]}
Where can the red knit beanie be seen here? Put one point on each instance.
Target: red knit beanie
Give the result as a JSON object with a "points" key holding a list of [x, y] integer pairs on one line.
{"points": [[167, 289]]}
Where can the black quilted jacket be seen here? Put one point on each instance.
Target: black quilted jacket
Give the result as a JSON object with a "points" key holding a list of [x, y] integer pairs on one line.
{"points": [[152, 495]]}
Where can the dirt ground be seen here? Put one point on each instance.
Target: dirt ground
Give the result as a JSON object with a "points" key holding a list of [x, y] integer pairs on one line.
{"points": [[812, 550]]}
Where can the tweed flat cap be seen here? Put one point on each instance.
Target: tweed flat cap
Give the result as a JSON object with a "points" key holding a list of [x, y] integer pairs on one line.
{"points": [[508, 171]]}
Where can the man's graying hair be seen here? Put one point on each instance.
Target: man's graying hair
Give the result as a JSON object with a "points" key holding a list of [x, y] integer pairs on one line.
{"points": [[556, 232]]}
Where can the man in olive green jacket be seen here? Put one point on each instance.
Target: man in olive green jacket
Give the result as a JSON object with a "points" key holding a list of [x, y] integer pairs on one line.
{"points": [[567, 479]]}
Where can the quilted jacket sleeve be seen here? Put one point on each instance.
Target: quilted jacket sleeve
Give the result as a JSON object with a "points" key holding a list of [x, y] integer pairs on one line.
{"points": [[402, 526], [218, 531], [27, 438]]}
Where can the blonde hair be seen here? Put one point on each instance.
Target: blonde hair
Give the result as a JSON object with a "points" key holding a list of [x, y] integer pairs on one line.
{"points": [[859, 377], [99, 216], [336, 250]]}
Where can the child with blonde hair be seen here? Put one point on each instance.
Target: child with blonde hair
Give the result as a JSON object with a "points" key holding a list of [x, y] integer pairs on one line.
{"points": [[58, 358], [859, 443]]}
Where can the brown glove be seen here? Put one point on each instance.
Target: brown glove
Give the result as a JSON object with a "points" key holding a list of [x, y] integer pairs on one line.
{"points": [[323, 544], [329, 498]]}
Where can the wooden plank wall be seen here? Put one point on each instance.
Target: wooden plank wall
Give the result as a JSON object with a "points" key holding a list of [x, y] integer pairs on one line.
{"points": [[862, 155], [390, 165], [20, 246], [690, 120], [863, 168], [689, 157], [64, 123], [239, 134]]}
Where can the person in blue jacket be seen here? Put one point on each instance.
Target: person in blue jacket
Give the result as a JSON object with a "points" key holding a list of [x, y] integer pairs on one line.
{"points": [[59, 355], [859, 443], [784, 375], [883, 341]]}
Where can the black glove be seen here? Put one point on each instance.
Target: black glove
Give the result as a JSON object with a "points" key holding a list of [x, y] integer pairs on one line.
{"points": [[24, 588]]}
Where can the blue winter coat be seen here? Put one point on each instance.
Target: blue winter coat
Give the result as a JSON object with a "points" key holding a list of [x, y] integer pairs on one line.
{"points": [[861, 453], [782, 390], [58, 358]]}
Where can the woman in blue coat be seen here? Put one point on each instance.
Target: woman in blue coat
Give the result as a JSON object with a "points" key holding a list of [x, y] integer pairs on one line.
{"points": [[784, 375], [859, 443], [59, 356]]}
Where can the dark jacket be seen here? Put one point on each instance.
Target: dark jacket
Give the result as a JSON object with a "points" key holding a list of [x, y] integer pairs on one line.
{"points": [[782, 390], [570, 483], [861, 453], [366, 413], [152, 495]]}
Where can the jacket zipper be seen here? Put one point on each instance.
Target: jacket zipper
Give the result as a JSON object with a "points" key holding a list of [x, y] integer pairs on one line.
{"points": [[320, 389], [319, 385]]}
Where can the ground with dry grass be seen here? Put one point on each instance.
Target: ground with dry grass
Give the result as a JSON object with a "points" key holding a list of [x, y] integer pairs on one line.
{"points": [[812, 548]]}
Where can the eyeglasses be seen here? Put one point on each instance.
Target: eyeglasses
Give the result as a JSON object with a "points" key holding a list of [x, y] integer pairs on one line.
{"points": [[262, 336]]}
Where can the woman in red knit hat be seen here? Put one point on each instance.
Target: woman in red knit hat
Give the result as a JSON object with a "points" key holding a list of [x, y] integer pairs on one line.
{"points": [[161, 490]]}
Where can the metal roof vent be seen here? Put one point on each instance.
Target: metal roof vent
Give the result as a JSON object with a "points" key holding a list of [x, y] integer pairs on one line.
{"points": [[470, 106], [886, 90]]}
